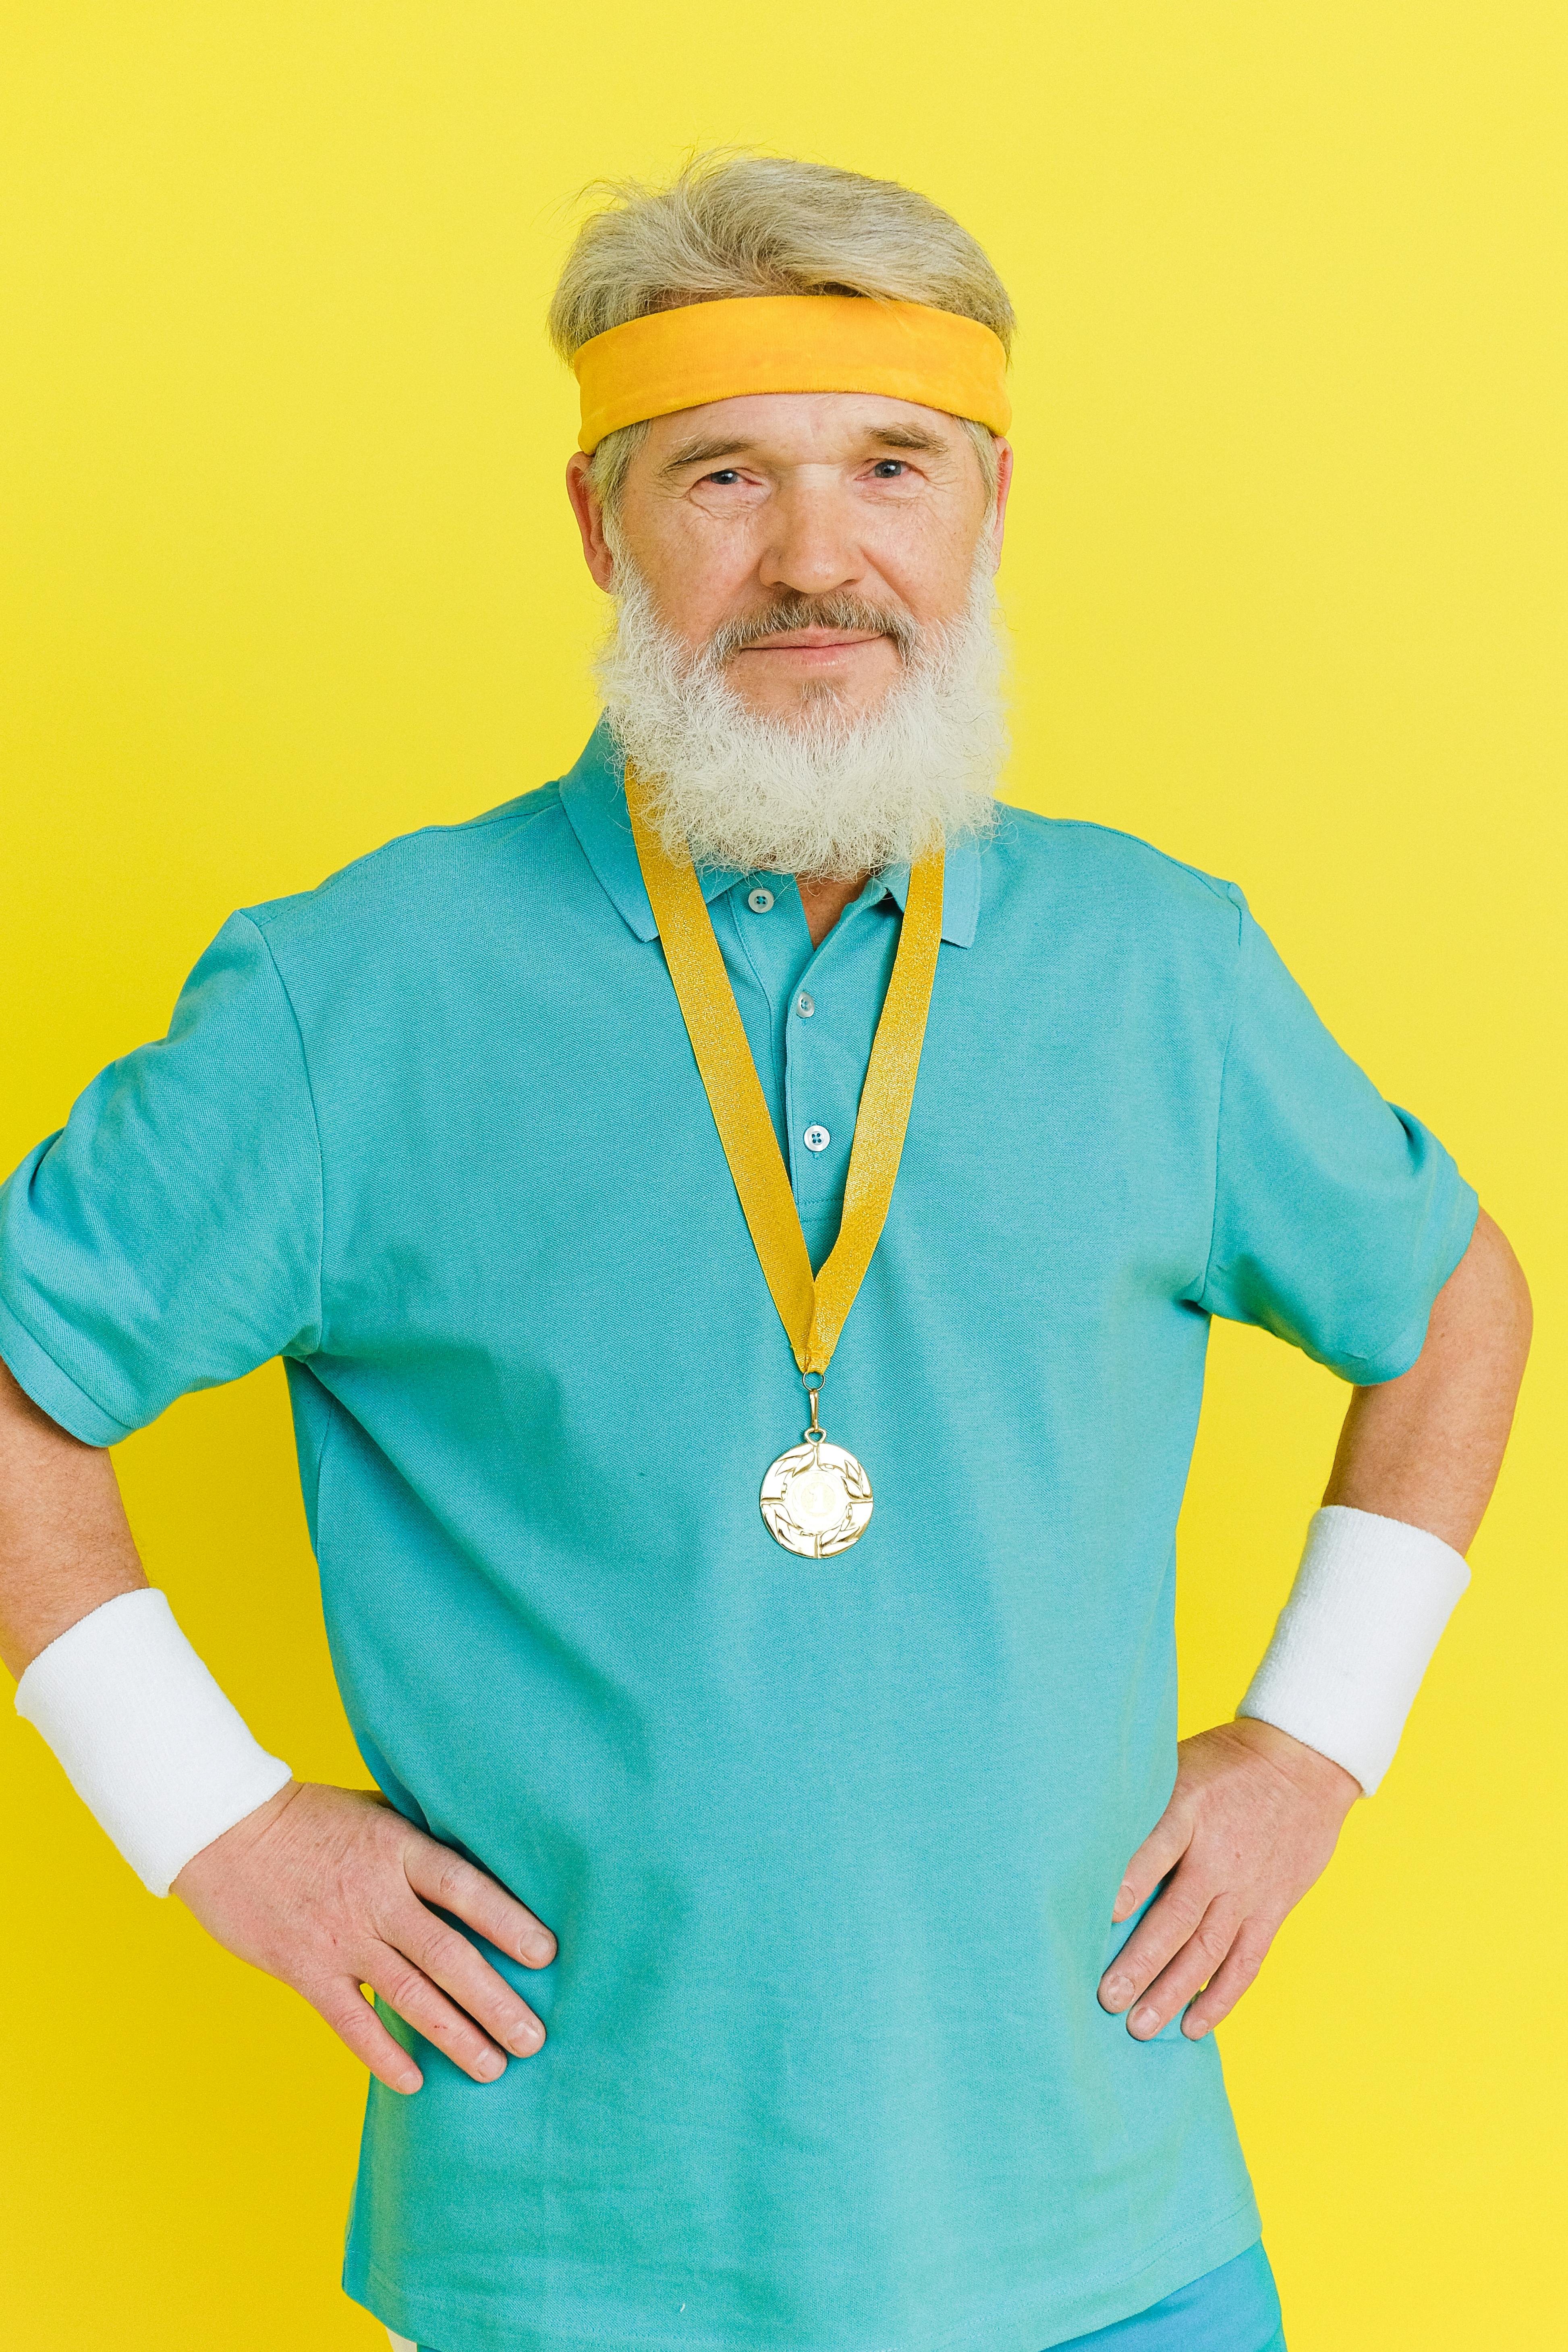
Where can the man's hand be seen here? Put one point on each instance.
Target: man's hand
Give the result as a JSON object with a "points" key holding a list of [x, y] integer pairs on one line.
{"points": [[329, 1889], [1252, 1820]]}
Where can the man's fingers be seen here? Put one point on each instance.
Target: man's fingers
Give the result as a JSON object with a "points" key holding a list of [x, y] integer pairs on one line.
{"points": [[450, 1961], [353, 2021], [1159, 1935], [444, 1878], [422, 2005], [1225, 1987], [1201, 1957], [1160, 1851]]}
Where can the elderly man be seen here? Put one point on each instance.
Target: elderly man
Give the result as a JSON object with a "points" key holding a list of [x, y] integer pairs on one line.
{"points": [[741, 1225]]}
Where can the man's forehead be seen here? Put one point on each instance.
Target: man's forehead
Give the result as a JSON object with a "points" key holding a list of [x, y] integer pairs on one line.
{"points": [[797, 428]]}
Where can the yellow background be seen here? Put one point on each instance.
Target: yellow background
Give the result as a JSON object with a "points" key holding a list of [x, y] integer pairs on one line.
{"points": [[288, 570]]}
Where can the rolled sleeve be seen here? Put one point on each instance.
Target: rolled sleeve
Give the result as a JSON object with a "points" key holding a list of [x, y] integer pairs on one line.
{"points": [[168, 1237], [1338, 1216]]}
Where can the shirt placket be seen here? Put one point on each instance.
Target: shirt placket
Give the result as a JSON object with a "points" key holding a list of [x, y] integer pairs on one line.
{"points": [[821, 1024]]}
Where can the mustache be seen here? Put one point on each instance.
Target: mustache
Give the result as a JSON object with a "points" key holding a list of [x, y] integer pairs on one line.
{"points": [[839, 610]]}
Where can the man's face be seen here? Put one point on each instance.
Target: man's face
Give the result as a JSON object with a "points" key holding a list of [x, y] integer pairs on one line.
{"points": [[854, 519]]}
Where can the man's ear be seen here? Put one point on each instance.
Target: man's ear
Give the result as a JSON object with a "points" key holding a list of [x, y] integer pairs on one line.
{"points": [[1004, 485], [590, 516]]}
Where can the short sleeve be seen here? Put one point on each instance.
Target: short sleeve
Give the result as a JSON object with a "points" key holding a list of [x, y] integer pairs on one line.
{"points": [[168, 1237], [1338, 1216]]}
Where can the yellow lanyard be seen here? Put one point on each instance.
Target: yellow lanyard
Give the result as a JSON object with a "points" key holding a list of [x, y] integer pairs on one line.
{"points": [[812, 1310]]}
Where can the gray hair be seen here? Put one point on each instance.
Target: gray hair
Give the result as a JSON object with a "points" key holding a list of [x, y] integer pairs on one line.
{"points": [[741, 224]]}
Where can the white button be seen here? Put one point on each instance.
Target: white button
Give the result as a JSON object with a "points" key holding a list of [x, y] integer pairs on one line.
{"points": [[817, 1139], [760, 901], [805, 1005]]}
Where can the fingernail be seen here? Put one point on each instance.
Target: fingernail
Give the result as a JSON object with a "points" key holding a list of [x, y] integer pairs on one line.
{"points": [[539, 1951], [1195, 2028], [1144, 2020], [1126, 1901], [524, 2038], [1116, 1990], [489, 2064], [410, 2082]]}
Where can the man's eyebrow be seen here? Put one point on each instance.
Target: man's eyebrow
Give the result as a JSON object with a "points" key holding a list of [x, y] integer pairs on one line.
{"points": [[909, 437], [702, 452]]}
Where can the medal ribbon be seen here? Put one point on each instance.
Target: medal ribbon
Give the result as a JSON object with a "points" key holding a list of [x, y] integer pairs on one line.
{"points": [[813, 1309]]}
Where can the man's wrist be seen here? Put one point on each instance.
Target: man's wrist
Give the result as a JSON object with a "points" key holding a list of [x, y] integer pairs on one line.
{"points": [[237, 1841], [155, 1751], [1317, 1775], [1370, 1600]]}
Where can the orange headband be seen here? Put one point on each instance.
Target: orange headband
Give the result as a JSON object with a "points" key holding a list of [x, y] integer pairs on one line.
{"points": [[790, 342]]}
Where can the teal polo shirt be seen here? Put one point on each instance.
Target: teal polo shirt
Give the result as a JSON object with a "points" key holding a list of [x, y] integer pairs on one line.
{"points": [[830, 1847]]}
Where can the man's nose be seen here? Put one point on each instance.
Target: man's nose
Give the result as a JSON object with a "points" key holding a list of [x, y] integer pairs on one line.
{"points": [[811, 547]]}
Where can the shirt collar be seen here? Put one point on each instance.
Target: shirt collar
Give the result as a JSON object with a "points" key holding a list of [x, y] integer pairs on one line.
{"points": [[594, 800]]}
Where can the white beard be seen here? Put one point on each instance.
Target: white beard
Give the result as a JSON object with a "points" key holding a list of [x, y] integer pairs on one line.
{"points": [[833, 792]]}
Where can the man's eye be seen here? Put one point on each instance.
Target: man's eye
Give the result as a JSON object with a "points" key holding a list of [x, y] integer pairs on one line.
{"points": [[726, 475], [888, 469]]}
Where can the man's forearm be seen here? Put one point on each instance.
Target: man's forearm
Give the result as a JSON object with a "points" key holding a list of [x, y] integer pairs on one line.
{"points": [[1384, 1566], [1427, 1448], [65, 1544], [152, 1746]]}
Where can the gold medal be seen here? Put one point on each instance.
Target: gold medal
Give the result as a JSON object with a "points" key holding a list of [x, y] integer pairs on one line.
{"points": [[816, 1498]]}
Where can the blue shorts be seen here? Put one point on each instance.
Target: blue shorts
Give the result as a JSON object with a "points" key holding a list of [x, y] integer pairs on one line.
{"points": [[1233, 2309]]}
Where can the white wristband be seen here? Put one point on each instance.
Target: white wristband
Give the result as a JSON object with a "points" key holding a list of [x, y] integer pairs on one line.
{"points": [[148, 1740], [1370, 1600]]}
